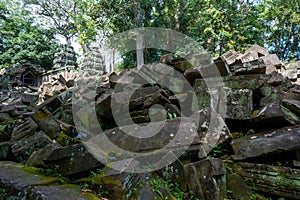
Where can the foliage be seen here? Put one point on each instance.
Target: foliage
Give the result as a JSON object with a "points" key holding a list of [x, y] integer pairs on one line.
{"points": [[218, 25], [52, 171], [22, 41], [223, 25], [158, 184], [70, 18], [282, 22]]}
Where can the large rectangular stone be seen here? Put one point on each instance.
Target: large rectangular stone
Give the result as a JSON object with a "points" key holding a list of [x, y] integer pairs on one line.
{"points": [[66, 192], [239, 103], [251, 81], [275, 180], [290, 71], [260, 50], [272, 59], [248, 56], [267, 144], [207, 179], [222, 67], [230, 57], [253, 67], [14, 179]]}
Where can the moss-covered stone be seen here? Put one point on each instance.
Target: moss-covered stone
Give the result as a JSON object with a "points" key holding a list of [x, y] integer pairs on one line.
{"points": [[65, 140], [275, 180], [16, 179], [236, 135], [5, 150], [290, 115], [239, 189]]}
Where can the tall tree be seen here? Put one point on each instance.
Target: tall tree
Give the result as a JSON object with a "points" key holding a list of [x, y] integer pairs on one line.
{"points": [[21, 40], [282, 22], [139, 37], [71, 18], [220, 25]]}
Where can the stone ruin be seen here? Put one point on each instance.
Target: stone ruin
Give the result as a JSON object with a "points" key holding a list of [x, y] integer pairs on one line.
{"points": [[65, 57], [256, 154]]}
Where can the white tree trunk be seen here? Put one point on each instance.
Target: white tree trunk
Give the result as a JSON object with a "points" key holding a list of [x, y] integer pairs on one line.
{"points": [[139, 51], [139, 38]]}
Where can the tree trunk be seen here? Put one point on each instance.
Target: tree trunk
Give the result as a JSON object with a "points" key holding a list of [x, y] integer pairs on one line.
{"points": [[139, 37], [68, 40], [177, 14]]}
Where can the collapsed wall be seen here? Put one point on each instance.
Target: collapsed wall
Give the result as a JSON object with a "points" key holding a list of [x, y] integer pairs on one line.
{"points": [[258, 129]]}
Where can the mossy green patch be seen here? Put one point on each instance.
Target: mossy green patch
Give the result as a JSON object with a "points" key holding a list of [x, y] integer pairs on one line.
{"points": [[71, 186], [48, 180], [255, 112], [266, 90], [236, 135], [290, 114], [66, 140], [32, 170], [90, 196]]}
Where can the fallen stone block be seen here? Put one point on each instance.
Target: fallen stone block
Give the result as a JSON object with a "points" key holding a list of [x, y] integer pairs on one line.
{"points": [[274, 115], [290, 71], [192, 60], [252, 82], [51, 104], [66, 192], [154, 137], [248, 56], [230, 57], [30, 98], [47, 123], [167, 59], [222, 67], [209, 71], [212, 131], [24, 147], [292, 105], [272, 63], [269, 143], [274, 180], [120, 79], [253, 67], [239, 188], [38, 157], [207, 179], [71, 159], [239, 103], [260, 50], [24, 129], [15, 180], [277, 79]]}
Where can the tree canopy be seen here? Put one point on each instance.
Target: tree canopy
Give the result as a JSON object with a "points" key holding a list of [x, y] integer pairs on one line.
{"points": [[21, 40], [218, 25]]}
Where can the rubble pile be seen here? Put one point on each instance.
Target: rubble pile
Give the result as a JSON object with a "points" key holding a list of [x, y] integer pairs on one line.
{"points": [[56, 84], [245, 139]]}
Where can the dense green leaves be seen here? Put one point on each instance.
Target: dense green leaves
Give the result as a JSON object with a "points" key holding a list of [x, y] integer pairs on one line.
{"points": [[71, 18], [21, 41], [282, 22], [218, 25]]}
